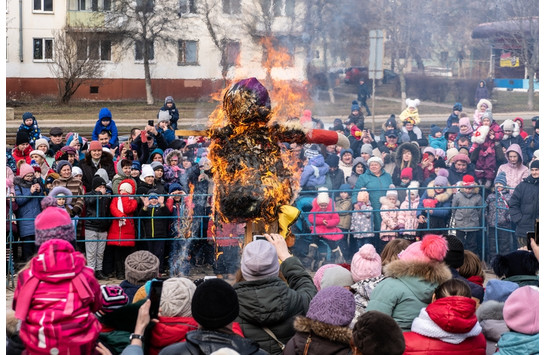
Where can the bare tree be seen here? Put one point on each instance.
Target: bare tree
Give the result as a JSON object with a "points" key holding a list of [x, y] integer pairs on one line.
{"points": [[217, 33], [69, 66], [146, 25]]}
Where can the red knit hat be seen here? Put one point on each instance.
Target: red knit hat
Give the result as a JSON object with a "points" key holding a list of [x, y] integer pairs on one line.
{"points": [[468, 180], [95, 145], [53, 223], [407, 173]]}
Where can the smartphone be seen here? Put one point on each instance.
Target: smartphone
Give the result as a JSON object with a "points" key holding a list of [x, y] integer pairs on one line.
{"points": [[259, 237], [425, 156], [155, 297], [529, 237], [150, 122]]}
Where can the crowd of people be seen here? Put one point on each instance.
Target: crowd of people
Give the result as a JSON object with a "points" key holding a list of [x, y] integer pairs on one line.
{"points": [[390, 276]]}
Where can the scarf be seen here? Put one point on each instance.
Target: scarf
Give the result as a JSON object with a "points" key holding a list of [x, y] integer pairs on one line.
{"points": [[120, 208]]}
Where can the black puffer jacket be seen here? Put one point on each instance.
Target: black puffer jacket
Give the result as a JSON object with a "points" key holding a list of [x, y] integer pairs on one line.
{"points": [[274, 304], [93, 223], [206, 342], [524, 206], [418, 174]]}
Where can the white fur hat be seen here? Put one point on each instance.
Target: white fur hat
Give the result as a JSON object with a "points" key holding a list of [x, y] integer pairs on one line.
{"points": [[391, 192], [412, 103], [323, 195]]}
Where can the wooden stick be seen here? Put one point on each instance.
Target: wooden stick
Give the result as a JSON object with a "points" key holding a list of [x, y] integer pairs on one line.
{"points": [[189, 132]]}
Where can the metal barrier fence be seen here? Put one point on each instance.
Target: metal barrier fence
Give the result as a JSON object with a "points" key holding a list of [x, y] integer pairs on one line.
{"points": [[198, 229]]}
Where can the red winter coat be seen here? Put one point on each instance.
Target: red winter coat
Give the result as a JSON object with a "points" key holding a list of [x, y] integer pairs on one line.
{"points": [[55, 299], [317, 225], [171, 330], [18, 155], [455, 315], [121, 232]]}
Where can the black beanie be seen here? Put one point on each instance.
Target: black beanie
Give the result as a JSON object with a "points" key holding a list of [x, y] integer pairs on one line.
{"points": [[214, 304], [519, 262], [534, 164], [455, 253], [332, 160], [378, 334], [439, 163], [97, 181], [22, 137]]}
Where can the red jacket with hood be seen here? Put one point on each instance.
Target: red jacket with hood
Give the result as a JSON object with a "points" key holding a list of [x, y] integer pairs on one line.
{"points": [[122, 230], [318, 226]]}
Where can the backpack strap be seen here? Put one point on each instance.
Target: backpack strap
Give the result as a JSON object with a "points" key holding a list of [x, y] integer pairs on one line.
{"points": [[25, 296], [271, 334]]}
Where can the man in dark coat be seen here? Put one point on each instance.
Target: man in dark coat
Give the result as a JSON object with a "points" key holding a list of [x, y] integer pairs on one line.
{"points": [[364, 92], [524, 204]]}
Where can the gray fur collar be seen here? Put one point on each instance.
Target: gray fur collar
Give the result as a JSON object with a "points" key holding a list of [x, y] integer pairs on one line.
{"points": [[436, 272], [323, 330], [490, 310]]}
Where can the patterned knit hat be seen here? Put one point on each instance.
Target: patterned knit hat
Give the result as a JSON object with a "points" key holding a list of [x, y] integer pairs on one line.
{"points": [[432, 248], [176, 297], [113, 297], [140, 267], [366, 263], [334, 305], [259, 261], [53, 223], [215, 304]]}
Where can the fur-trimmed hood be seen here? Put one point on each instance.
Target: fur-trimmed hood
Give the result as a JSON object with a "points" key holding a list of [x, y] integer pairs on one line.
{"points": [[435, 272], [416, 156], [442, 197], [327, 331], [170, 154], [384, 201], [484, 101]]}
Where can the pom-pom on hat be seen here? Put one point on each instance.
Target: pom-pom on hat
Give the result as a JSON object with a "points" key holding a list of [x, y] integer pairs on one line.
{"points": [[468, 180], [336, 276], [323, 196], [215, 304], [499, 290], [521, 310], [355, 106], [113, 297], [431, 248], [176, 297], [53, 223], [440, 181], [366, 263], [407, 173], [334, 305], [140, 267], [259, 261], [455, 253]]}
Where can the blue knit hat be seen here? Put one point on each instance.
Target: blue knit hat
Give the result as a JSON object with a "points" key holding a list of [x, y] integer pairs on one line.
{"points": [[28, 115], [434, 130], [136, 165], [355, 106], [333, 305], [499, 290], [501, 178], [457, 107], [175, 187]]}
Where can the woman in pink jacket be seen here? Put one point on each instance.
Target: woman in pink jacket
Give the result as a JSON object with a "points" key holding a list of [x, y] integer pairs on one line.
{"points": [[514, 170], [323, 223]]}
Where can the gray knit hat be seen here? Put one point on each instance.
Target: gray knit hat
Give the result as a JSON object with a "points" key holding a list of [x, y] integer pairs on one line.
{"points": [[176, 297], [259, 261], [140, 267], [336, 276]]}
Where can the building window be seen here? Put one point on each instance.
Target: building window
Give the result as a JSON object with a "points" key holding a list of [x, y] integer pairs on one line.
{"points": [[94, 5], [43, 5], [187, 7], [94, 49], [231, 7], [283, 8], [145, 5], [187, 53], [43, 49], [139, 51], [233, 53]]}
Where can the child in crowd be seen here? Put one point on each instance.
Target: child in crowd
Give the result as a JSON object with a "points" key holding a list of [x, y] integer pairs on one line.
{"points": [[170, 107], [324, 223], [407, 215], [105, 122], [173, 168], [434, 206], [411, 111], [123, 172], [472, 268], [482, 106], [389, 211], [455, 115], [436, 138], [343, 205], [136, 170], [22, 148], [361, 225], [155, 227], [500, 239], [30, 125], [484, 146], [466, 220]]}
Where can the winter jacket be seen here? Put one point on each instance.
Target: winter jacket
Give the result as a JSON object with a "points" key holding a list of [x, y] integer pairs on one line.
{"points": [[156, 226], [55, 299], [116, 180], [485, 166], [97, 206], [507, 142], [447, 326], [122, 229], [314, 173], [28, 208], [532, 144], [168, 134], [441, 212], [346, 169], [408, 219], [89, 169], [25, 155], [377, 187], [481, 92], [174, 115], [317, 338], [418, 173], [206, 342], [344, 208], [524, 206], [172, 173], [362, 295], [490, 315], [362, 220], [273, 303], [513, 343], [524, 280], [112, 127], [32, 130], [170, 330], [456, 176], [468, 219], [514, 173], [76, 188], [388, 214], [415, 135], [440, 142], [328, 231], [334, 179], [408, 288], [497, 209]]}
